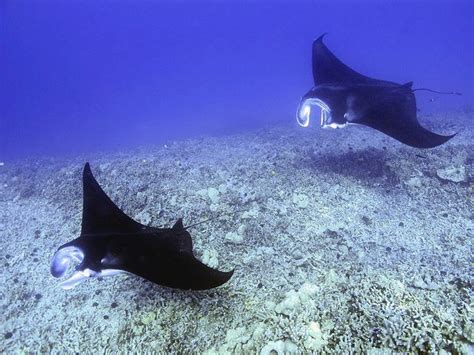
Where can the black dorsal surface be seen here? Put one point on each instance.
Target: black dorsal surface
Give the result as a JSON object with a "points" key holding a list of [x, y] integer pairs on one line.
{"points": [[100, 215], [328, 69], [111, 242], [355, 98], [393, 112]]}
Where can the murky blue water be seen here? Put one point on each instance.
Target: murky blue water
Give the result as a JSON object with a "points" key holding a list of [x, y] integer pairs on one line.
{"points": [[98, 75]]}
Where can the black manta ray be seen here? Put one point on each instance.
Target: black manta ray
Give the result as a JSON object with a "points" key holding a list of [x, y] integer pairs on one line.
{"points": [[111, 243], [347, 97]]}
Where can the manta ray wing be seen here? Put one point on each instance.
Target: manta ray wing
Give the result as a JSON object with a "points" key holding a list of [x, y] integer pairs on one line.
{"points": [[328, 69], [100, 215], [392, 110]]}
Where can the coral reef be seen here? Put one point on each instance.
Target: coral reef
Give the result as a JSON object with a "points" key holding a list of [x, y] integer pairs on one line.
{"points": [[365, 246]]}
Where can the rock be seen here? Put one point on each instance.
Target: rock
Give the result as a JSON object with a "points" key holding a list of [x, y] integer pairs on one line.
{"points": [[343, 250], [259, 331], [314, 330], [222, 188], [104, 167], [241, 229], [307, 291], [202, 193], [332, 277], [424, 283], [144, 218], [237, 336], [282, 210], [414, 182], [270, 305], [454, 174], [300, 200], [234, 238], [173, 200], [290, 303], [148, 318], [252, 213], [316, 339], [213, 195], [210, 193], [279, 347], [209, 257]]}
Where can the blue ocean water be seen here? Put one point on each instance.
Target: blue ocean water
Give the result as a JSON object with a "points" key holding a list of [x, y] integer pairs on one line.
{"points": [[85, 76]]}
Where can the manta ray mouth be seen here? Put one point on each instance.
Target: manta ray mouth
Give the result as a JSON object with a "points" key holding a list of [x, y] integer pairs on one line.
{"points": [[306, 107], [64, 258]]}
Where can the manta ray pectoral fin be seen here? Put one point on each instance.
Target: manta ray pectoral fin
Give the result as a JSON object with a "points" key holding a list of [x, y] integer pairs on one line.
{"points": [[328, 69], [412, 134], [202, 277], [393, 111], [215, 279], [100, 215]]}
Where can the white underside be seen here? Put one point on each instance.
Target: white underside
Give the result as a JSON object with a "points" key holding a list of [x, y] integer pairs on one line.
{"points": [[81, 275], [334, 125]]}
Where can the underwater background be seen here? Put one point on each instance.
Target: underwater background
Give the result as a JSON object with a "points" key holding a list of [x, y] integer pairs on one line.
{"points": [[81, 76], [343, 241]]}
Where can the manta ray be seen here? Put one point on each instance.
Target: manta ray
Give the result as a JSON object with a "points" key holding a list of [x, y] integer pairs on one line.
{"points": [[111, 243], [346, 97]]}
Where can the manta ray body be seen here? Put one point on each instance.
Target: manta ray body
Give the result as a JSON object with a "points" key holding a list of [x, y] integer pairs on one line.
{"points": [[345, 97], [111, 243]]}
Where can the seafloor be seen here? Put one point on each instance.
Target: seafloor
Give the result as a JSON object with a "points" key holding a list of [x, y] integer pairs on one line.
{"points": [[342, 241]]}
